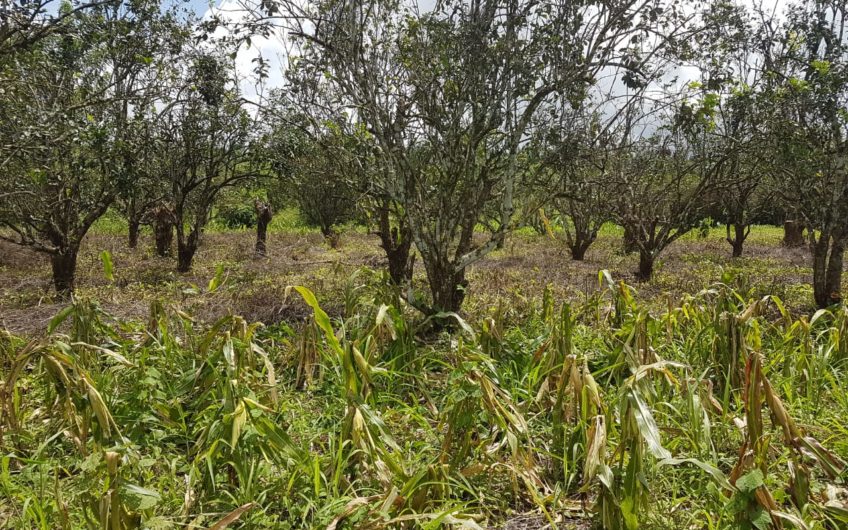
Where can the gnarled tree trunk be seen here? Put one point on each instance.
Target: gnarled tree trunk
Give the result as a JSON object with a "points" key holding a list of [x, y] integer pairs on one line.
{"points": [[64, 265], [134, 226], [447, 287], [264, 214], [793, 234], [397, 244], [828, 252], [579, 248], [186, 248], [331, 236], [646, 265], [630, 242], [163, 228], [580, 242], [737, 239]]}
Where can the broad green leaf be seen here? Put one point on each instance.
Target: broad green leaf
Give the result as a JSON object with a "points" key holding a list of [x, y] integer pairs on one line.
{"points": [[714, 472], [60, 317], [321, 318], [750, 481], [218, 279], [647, 426], [138, 498], [761, 519]]}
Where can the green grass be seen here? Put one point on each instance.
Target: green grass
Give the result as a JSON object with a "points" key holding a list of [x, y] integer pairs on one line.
{"points": [[604, 412], [565, 399]]}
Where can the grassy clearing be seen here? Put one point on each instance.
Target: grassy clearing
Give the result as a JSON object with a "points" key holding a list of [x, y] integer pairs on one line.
{"points": [[710, 398]]}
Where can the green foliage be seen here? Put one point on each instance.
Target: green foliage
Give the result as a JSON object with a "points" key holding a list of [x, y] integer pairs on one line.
{"points": [[236, 215], [176, 420], [108, 267]]}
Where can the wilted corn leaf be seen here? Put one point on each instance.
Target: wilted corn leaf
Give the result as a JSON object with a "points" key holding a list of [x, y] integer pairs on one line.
{"points": [[647, 426], [104, 418], [271, 374], [595, 454], [239, 418], [232, 517]]}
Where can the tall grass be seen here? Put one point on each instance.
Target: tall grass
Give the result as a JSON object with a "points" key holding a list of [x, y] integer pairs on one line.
{"points": [[721, 411]]}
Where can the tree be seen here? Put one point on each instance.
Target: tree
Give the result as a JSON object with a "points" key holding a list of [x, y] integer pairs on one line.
{"points": [[206, 146], [578, 149], [64, 114], [663, 183], [741, 159], [316, 163], [264, 214], [310, 118], [577, 182], [25, 24], [146, 186], [810, 132], [729, 59], [449, 96], [163, 220]]}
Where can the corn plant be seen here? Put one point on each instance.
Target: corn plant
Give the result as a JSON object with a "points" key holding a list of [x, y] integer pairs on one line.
{"points": [[623, 497], [753, 466], [363, 431]]}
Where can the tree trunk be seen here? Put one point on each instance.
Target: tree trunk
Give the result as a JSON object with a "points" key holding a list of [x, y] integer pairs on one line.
{"points": [[737, 241], [164, 238], [185, 251], [447, 287], [646, 266], [64, 266], [630, 244], [163, 228], [500, 244], [578, 250], [397, 243], [134, 225], [332, 237], [264, 214], [793, 234], [828, 254], [582, 241]]}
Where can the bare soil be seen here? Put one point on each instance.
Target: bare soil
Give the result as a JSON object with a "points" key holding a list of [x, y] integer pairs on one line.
{"points": [[255, 287]]}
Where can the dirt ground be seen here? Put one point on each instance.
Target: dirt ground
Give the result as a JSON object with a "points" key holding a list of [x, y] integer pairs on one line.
{"points": [[255, 288]]}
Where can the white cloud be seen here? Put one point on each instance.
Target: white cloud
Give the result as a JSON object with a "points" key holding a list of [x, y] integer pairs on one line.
{"points": [[271, 48]]}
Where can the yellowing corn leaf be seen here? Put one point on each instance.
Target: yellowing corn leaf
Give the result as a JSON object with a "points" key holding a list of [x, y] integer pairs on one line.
{"points": [[232, 517]]}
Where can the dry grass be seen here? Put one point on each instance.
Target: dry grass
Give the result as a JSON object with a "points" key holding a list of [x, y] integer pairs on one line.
{"points": [[514, 276]]}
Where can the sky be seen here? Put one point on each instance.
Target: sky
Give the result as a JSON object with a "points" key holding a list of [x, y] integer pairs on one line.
{"points": [[273, 48]]}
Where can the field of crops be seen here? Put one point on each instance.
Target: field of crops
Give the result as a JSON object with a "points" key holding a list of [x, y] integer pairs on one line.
{"points": [[718, 409]]}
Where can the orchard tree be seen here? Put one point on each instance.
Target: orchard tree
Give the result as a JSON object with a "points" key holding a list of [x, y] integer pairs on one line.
{"points": [[63, 118], [811, 133], [316, 169], [579, 148], [735, 151], [574, 166], [25, 23], [449, 97], [729, 57], [309, 121], [146, 184], [663, 183], [264, 214], [207, 146]]}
